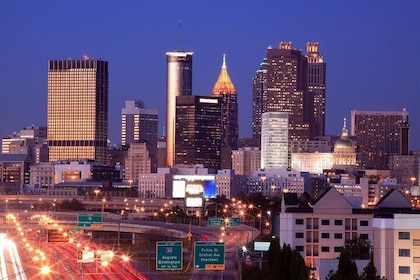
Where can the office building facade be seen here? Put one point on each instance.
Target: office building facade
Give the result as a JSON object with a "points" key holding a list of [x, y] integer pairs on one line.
{"points": [[274, 140], [379, 135], [140, 124], [77, 109], [225, 89], [316, 89], [288, 81], [198, 135], [178, 83]]}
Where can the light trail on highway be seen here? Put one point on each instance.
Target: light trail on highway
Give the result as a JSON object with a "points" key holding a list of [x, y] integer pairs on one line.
{"points": [[10, 263]]}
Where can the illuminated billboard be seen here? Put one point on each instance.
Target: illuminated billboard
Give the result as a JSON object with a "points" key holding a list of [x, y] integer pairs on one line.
{"points": [[203, 186]]}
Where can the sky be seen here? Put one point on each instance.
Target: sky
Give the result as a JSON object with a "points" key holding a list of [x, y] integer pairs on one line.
{"points": [[370, 47]]}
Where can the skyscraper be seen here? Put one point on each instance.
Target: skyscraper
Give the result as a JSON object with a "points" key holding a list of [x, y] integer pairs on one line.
{"points": [[274, 140], [380, 134], [316, 89], [225, 89], [288, 81], [198, 137], [77, 109], [140, 124], [178, 83], [259, 98]]}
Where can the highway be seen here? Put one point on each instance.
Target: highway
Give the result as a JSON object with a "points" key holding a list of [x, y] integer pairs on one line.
{"points": [[10, 263], [63, 256]]}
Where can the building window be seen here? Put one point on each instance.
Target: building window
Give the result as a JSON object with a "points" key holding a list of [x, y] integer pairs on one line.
{"points": [[416, 259], [325, 235], [403, 252], [299, 221], [338, 236], [325, 222], [364, 223], [299, 234], [325, 249], [338, 249], [299, 248], [403, 235], [338, 222], [416, 242], [404, 270], [364, 236]]}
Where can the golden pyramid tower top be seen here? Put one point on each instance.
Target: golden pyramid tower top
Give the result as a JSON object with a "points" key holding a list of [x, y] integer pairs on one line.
{"points": [[223, 83]]}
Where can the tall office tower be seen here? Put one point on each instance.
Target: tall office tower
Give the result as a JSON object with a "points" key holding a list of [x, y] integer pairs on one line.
{"points": [[77, 109], [275, 140], [140, 124], [178, 83], [289, 82], [379, 135], [316, 89], [198, 134], [259, 98], [226, 90]]}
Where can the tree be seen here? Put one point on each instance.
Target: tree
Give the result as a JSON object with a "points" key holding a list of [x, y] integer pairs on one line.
{"points": [[285, 263], [369, 272], [74, 205], [347, 269], [359, 248]]}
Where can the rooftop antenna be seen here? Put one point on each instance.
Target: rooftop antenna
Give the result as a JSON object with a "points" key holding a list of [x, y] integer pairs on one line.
{"points": [[179, 35]]}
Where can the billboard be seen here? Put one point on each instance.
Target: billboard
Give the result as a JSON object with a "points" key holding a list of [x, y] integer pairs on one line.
{"points": [[194, 185]]}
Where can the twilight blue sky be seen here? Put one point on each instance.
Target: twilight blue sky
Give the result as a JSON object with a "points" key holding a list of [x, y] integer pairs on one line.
{"points": [[370, 47]]}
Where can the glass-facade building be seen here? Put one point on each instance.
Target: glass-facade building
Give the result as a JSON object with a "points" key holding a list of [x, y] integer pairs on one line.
{"points": [[178, 83], [198, 137], [77, 114]]}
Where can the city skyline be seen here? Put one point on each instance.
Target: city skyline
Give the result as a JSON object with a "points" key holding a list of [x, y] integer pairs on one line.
{"points": [[364, 45]]}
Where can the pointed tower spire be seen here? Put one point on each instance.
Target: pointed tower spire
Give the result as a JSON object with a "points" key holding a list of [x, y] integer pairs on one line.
{"points": [[223, 83], [344, 131]]}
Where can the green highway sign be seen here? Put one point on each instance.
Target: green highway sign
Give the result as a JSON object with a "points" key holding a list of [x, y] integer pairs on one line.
{"points": [[215, 221], [209, 255], [89, 220], [168, 255], [75, 230], [233, 222]]}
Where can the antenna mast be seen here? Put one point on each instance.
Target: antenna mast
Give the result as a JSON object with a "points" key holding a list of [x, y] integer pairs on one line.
{"points": [[179, 35]]}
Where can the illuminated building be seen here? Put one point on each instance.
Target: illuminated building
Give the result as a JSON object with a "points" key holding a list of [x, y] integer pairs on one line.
{"points": [[288, 81], [140, 124], [246, 160], [137, 161], [344, 151], [77, 109], [316, 89], [198, 134], [225, 89], [178, 83], [311, 162], [274, 181], [274, 140], [31, 141], [379, 135]]}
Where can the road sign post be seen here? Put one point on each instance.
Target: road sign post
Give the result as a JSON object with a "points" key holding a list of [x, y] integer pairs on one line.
{"points": [[89, 220], [209, 255], [168, 255]]}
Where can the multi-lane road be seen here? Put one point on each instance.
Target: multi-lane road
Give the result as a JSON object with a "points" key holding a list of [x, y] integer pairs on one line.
{"points": [[63, 256]]}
